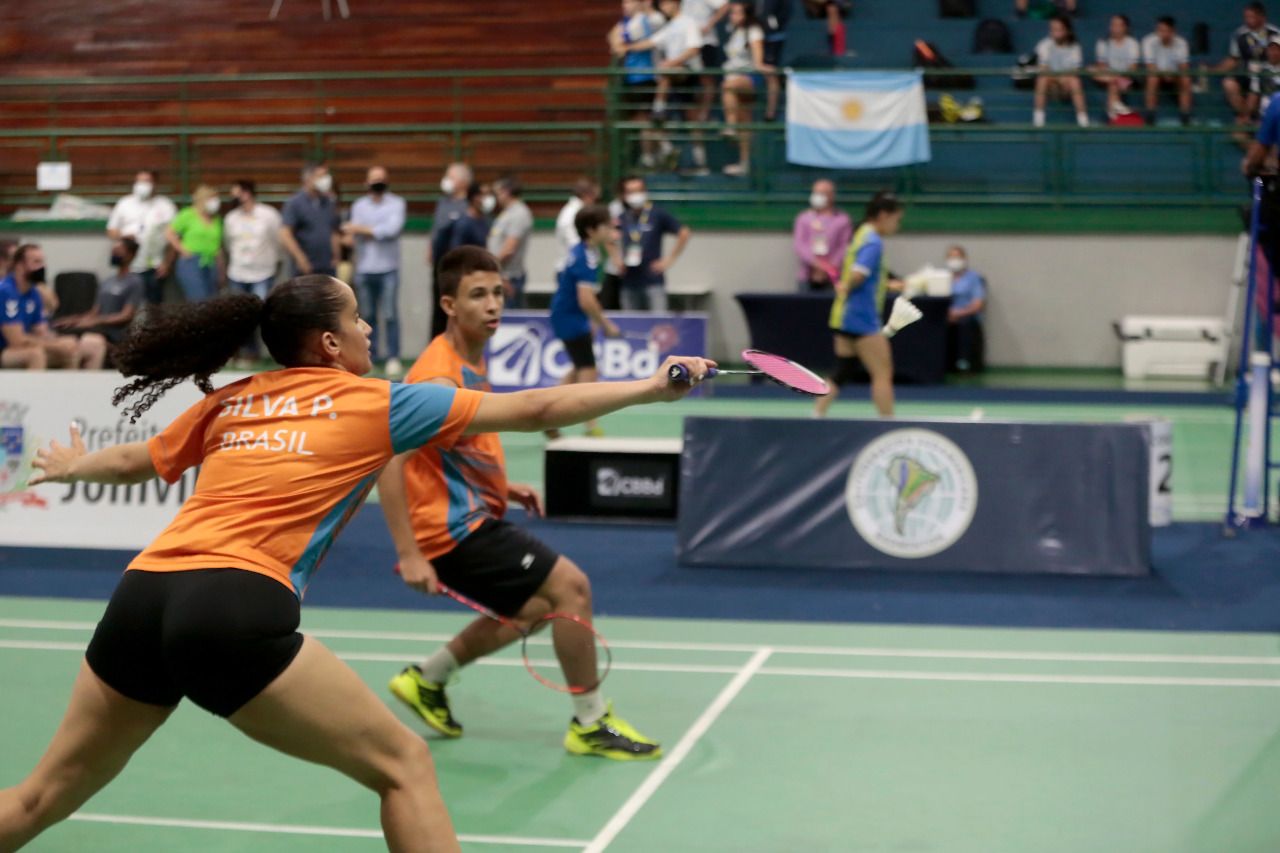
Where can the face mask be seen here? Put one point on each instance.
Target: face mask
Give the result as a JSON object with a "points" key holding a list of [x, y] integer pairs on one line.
{"points": [[212, 206], [488, 203], [142, 190], [956, 264], [637, 200], [117, 260], [378, 187], [818, 201], [447, 185], [324, 183], [36, 276], [236, 201]]}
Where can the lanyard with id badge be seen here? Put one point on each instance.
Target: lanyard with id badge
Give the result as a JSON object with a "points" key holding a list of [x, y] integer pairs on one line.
{"points": [[633, 254], [818, 239]]}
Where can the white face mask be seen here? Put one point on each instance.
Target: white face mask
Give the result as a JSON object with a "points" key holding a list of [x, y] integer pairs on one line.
{"points": [[957, 264], [323, 184], [488, 203], [143, 189], [818, 201], [637, 200], [446, 185], [213, 205]]}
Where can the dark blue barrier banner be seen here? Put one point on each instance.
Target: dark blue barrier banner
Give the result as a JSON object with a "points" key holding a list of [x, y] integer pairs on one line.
{"points": [[525, 353], [964, 496]]}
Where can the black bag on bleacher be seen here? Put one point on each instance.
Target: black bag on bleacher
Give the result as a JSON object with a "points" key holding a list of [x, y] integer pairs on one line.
{"points": [[1024, 75], [992, 36], [957, 8], [926, 55]]}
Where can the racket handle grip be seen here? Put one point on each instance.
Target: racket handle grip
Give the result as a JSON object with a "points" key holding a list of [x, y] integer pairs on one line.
{"points": [[680, 373]]}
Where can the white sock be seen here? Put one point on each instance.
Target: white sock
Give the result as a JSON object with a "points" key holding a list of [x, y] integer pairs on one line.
{"points": [[588, 707], [1037, 118], [659, 105], [439, 666], [699, 155], [1082, 119]]}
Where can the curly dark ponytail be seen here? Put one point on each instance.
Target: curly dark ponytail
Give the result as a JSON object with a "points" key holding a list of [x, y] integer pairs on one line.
{"points": [[195, 340]]}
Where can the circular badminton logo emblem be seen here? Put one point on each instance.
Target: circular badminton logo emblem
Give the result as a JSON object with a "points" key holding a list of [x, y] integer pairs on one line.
{"points": [[911, 493]]}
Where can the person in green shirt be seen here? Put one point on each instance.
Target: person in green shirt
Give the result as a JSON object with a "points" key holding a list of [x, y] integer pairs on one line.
{"points": [[196, 238]]}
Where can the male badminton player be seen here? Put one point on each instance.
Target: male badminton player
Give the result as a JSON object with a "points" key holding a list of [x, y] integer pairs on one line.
{"points": [[855, 316], [445, 508]]}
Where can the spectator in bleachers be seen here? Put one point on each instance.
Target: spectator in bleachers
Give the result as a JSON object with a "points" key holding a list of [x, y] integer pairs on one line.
{"points": [[195, 235], [472, 228], [644, 267], [832, 11], [586, 192], [120, 298], [145, 216], [1118, 55], [743, 64], [639, 21], [451, 206], [1057, 53], [1168, 60], [773, 16], [1267, 81], [7, 246], [1044, 8], [26, 341], [968, 299], [1247, 50], [508, 239], [310, 230], [707, 14], [377, 220], [821, 237], [678, 45]]}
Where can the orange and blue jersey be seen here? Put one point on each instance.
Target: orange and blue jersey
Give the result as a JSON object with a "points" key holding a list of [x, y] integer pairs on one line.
{"points": [[452, 489], [286, 458]]}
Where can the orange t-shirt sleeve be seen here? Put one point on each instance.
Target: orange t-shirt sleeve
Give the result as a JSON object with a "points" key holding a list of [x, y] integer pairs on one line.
{"points": [[181, 445]]}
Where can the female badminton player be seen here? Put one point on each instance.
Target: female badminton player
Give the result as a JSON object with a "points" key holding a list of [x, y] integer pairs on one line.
{"points": [[855, 316], [445, 508], [209, 610]]}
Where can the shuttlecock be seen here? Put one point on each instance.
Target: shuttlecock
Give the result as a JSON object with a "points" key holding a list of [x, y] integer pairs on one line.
{"points": [[904, 314]]}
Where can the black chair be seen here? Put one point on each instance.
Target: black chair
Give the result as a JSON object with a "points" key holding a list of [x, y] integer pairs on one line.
{"points": [[77, 293]]}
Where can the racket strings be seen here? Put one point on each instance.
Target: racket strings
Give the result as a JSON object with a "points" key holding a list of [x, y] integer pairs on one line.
{"points": [[787, 372]]}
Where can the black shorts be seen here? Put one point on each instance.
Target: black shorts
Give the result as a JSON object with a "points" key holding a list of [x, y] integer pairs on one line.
{"points": [[773, 51], [580, 351], [215, 636], [712, 57], [500, 565], [639, 95]]}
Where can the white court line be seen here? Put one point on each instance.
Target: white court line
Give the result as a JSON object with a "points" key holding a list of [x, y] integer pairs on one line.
{"points": [[749, 648], [295, 829], [668, 765]]}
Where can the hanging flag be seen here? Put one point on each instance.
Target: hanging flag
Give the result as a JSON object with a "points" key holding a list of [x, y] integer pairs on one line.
{"points": [[857, 119]]}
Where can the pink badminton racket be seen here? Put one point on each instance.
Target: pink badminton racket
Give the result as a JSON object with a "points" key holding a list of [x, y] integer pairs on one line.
{"points": [[781, 370]]}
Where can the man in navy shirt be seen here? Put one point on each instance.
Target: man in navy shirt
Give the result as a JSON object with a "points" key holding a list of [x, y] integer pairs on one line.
{"points": [[310, 230], [1260, 162], [576, 305], [643, 225], [25, 338]]}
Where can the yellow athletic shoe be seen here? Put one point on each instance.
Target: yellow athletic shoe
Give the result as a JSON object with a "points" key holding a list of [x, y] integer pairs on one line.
{"points": [[610, 737], [595, 432], [427, 699]]}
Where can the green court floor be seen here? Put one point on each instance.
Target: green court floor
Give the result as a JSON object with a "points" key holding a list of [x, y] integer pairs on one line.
{"points": [[779, 738]]}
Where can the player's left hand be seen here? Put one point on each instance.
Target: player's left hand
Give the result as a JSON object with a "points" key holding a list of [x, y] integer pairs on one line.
{"points": [[56, 463], [527, 497]]}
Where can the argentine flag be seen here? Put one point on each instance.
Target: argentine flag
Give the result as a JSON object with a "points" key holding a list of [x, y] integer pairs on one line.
{"points": [[857, 119]]}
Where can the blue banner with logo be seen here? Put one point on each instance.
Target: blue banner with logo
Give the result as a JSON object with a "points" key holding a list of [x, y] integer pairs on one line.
{"points": [[525, 353], [1032, 498]]}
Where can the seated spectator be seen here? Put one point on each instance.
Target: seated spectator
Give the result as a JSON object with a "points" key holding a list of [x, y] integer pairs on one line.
{"points": [[821, 237], [1059, 52], [773, 16], [1266, 82], [1118, 57], [26, 340], [639, 22], [195, 235], [833, 12], [120, 297], [968, 299], [678, 46], [1044, 8], [1247, 50], [1167, 57], [472, 229], [743, 65]]}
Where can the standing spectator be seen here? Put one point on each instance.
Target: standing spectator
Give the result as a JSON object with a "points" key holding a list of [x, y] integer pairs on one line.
{"points": [[195, 236], [744, 62], [821, 237], [472, 229], [679, 49], [643, 225], [25, 338], [451, 206], [586, 192], [7, 246], [251, 232], [1118, 57], [1059, 52], [377, 220], [968, 299], [639, 21], [145, 216], [1267, 81], [773, 16], [707, 14], [120, 298], [310, 230], [1247, 49], [1167, 57], [509, 237]]}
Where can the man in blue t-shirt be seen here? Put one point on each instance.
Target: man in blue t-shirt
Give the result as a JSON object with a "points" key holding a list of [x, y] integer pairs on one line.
{"points": [[575, 305], [643, 225], [968, 299], [26, 341]]}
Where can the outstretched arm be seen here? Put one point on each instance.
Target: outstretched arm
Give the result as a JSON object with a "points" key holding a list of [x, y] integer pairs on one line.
{"points": [[120, 464]]}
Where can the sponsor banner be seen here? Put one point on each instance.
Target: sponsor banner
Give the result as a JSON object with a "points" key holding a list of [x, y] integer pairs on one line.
{"points": [[963, 496], [525, 353], [38, 407], [632, 483]]}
